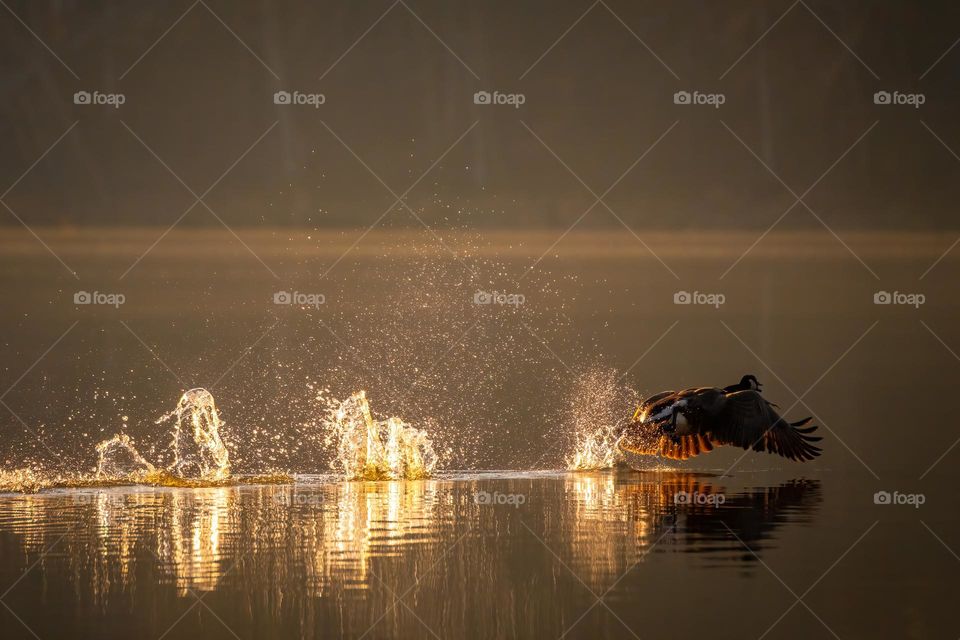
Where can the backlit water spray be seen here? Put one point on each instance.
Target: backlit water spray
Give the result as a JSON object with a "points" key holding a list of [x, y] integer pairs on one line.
{"points": [[370, 449], [198, 451], [119, 458], [199, 454], [600, 406]]}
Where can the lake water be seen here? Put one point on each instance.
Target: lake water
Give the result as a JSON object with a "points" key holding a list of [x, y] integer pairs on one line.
{"points": [[728, 545]]}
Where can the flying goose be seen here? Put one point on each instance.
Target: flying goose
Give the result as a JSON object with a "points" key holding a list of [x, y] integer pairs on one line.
{"points": [[686, 423], [746, 383]]}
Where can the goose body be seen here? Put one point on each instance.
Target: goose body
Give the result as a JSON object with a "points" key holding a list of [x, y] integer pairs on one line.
{"points": [[682, 424]]}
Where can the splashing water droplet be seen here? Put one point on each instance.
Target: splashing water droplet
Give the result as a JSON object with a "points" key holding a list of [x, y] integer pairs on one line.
{"points": [[200, 457], [118, 458], [20, 481], [600, 406], [367, 449], [198, 451]]}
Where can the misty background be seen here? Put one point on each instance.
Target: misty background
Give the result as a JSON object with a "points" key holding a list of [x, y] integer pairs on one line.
{"points": [[399, 79]]}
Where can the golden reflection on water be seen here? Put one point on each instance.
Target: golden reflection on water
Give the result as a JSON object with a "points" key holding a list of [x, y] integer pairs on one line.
{"points": [[619, 518], [316, 535], [290, 548]]}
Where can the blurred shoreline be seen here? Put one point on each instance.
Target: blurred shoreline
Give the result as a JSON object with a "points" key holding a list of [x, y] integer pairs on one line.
{"points": [[133, 242]]}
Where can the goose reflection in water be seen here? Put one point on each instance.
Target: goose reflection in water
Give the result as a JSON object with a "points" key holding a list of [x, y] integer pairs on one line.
{"points": [[315, 536], [698, 507], [298, 552], [620, 517]]}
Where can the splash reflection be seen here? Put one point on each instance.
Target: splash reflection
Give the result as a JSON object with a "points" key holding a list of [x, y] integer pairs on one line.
{"points": [[319, 552]]}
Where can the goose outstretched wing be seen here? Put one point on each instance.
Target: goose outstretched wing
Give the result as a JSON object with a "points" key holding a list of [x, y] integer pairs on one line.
{"points": [[651, 442], [745, 419], [647, 438], [649, 402]]}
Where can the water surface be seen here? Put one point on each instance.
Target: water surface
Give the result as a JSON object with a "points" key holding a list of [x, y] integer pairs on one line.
{"points": [[726, 545]]}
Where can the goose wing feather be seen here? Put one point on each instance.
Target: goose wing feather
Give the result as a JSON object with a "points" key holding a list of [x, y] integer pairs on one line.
{"points": [[745, 419], [651, 442], [652, 400], [647, 438]]}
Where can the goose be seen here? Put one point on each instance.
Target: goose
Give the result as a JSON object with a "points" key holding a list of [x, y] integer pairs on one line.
{"points": [[683, 424], [746, 383]]}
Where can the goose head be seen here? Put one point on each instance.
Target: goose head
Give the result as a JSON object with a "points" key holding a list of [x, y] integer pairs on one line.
{"points": [[748, 382]]}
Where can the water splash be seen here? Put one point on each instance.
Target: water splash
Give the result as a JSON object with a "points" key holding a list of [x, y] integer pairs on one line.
{"points": [[599, 407], [118, 458], [363, 448], [200, 458], [23, 480], [368, 449], [198, 451]]}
